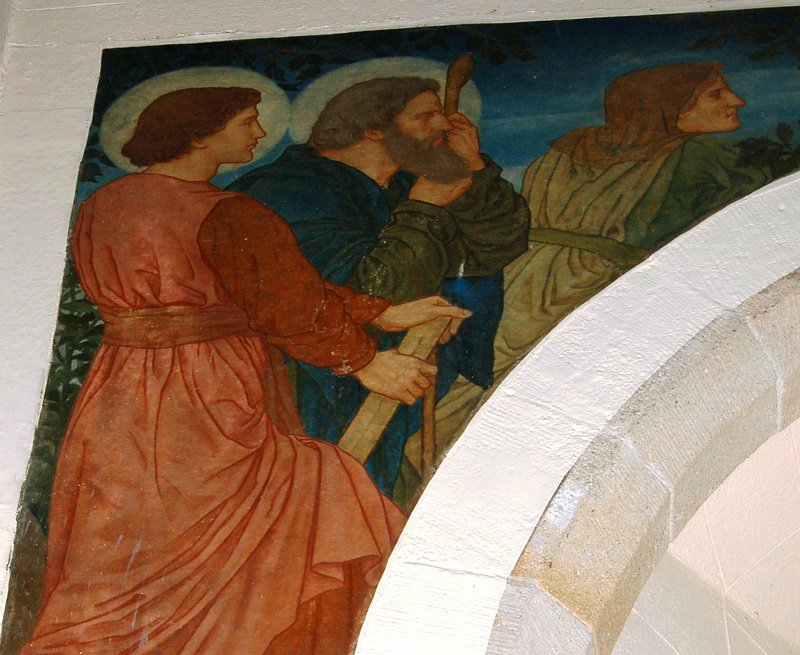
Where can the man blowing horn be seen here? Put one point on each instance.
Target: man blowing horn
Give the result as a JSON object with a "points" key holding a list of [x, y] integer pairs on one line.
{"points": [[392, 197]]}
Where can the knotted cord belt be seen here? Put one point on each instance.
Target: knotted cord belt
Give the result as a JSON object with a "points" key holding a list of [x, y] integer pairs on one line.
{"points": [[174, 325]]}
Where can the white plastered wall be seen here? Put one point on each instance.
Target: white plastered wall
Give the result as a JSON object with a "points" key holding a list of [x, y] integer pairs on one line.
{"points": [[448, 574], [729, 584]]}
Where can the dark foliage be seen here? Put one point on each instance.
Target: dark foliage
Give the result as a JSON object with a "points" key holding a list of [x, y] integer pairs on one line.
{"points": [[76, 340], [94, 161], [780, 154], [772, 34]]}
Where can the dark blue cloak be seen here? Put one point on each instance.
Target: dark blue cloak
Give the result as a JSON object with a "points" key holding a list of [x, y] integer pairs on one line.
{"points": [[336, 213]]}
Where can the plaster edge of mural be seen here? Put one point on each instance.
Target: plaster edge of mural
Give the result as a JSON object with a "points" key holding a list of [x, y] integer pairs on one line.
{"points": [[708, 408], [156, 26], [399, 17], [6, 12]]}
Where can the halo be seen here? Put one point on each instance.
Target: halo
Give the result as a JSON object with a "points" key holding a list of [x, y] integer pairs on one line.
{"points": [[307, 106], [119, 122]]}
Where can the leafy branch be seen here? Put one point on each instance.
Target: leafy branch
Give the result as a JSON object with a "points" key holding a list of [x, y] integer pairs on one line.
{"points": [[781, 155], [77, 337], [494, 43], [772, 34]]}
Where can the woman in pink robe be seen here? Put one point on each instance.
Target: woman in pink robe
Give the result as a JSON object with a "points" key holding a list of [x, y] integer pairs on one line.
{"points": [[190, 514]]}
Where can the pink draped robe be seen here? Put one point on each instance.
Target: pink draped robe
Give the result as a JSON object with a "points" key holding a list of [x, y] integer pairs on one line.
{"points": [[182, 519]]}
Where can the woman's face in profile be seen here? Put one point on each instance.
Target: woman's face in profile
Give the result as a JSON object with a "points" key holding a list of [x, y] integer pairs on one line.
{"points": [[234, 143], [716, 110]]}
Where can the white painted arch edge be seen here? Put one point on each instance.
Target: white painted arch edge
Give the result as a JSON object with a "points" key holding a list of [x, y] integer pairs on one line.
{"points": [[457, 557], [713, 404]]}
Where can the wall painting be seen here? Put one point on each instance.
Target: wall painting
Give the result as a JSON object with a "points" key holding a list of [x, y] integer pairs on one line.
{"points": [[280, 245]]}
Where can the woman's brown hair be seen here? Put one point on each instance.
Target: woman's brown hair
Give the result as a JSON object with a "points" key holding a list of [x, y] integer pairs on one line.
{"points": [[167, 127]]}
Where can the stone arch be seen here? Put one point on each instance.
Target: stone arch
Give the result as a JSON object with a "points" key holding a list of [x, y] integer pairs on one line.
{"points": [[709, 407], [628, 416]]}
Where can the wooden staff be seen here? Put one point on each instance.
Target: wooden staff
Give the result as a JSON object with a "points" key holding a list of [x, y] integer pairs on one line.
{"points": [[373, 416], [458, 74], [428, 432]]}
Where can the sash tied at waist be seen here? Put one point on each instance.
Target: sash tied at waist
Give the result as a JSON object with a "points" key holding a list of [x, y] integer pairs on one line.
{"points": [[622, 255], [170, 326]]}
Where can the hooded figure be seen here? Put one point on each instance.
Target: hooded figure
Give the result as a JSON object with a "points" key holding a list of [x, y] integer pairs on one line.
{"points": [[603, 198]]}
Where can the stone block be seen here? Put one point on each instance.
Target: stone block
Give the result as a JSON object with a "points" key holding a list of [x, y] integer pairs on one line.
{"points": [[638, 637], [703, 413], [774, 316], [605, 529], [749, 515], [741, 643], [768, 641], [694, 548], [768, 593]]}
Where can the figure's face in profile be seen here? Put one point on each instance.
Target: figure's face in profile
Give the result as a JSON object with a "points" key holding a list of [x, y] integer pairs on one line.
{"points": [[716, 110], [234, 143], [417, 141], [423, 119]]}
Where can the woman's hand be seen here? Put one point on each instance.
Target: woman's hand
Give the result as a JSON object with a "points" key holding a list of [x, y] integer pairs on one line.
{"points": [[399, 377], [398, 318]]}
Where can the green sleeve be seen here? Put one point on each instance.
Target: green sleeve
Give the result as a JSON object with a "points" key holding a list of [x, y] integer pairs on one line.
{"points": [[493, 222], [412, 255], [422, 244], [705, 179]]}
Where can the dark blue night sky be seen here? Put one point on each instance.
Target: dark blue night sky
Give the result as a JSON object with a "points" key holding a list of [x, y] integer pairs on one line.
{"points": [[526, 104]]}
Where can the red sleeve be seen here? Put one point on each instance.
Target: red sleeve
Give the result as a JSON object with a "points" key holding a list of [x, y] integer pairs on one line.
{"points": [[82, 253], [256, 256], [362, 308]]}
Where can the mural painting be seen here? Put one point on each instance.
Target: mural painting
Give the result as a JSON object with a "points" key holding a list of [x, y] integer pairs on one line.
{"points": [[298, 266]]}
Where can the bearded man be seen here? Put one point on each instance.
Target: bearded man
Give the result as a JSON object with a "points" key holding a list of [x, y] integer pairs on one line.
{"points": [[393, 198]]}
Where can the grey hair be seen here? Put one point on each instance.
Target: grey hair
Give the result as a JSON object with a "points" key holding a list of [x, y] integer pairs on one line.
{"points": [[370, 105]]}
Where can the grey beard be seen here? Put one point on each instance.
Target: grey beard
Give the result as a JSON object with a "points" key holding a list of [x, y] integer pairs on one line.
{"points": [[440, 164]]}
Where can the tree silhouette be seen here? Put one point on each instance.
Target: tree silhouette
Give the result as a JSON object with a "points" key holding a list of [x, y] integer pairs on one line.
{"points": [[770, 33], [781, 155]]}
